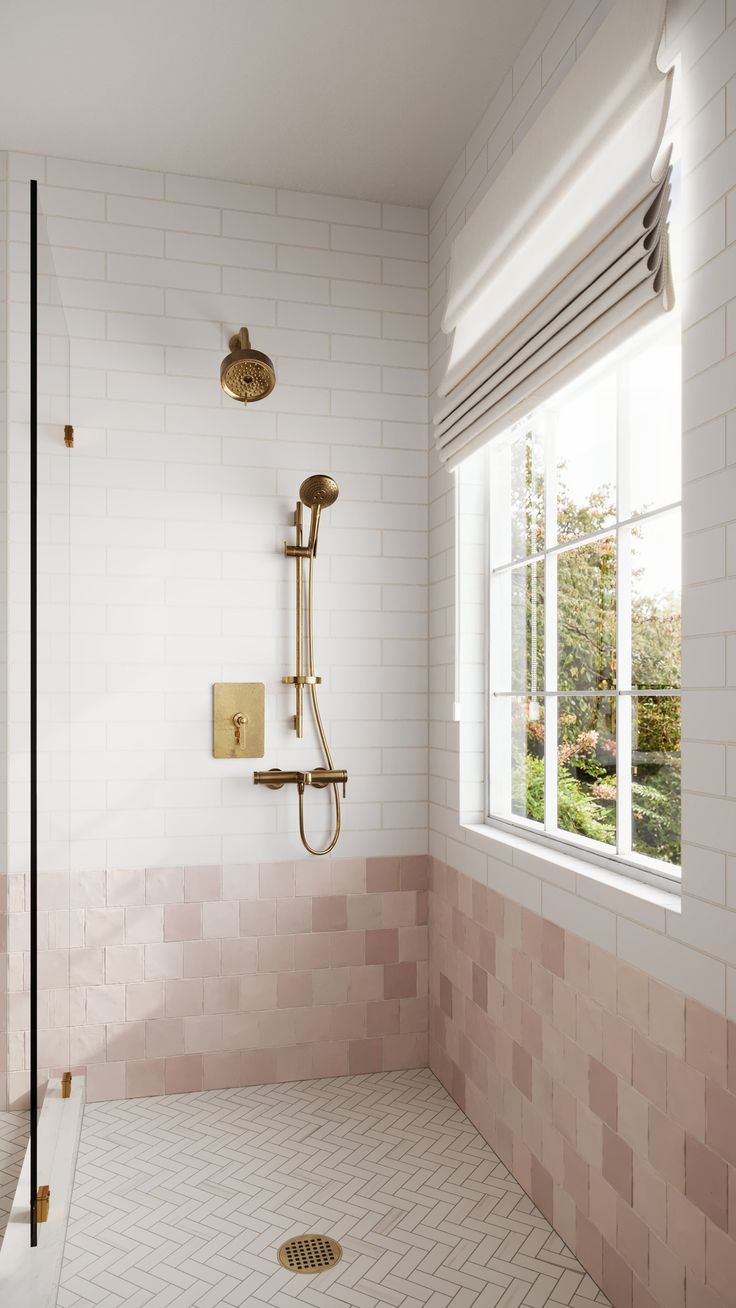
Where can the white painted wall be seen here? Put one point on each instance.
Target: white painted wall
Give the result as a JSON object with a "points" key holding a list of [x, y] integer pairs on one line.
{"points": [[181, 500], [691, 946]]}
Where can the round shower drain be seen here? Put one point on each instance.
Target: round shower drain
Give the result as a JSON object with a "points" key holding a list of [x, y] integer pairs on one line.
{"points": [[309, 1253]]}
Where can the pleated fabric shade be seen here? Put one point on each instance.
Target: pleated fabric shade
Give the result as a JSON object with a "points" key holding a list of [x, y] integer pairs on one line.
{"points": [[567, 253]]}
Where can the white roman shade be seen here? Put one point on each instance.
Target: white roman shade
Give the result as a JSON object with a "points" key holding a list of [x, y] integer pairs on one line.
{"points": [[567, 253]]}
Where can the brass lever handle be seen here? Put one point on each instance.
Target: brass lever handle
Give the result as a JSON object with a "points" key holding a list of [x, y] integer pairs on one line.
{"points": [[240, 723]]}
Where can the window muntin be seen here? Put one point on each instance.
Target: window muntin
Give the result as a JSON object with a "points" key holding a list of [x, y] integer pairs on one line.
{"points": [[585, 612]]}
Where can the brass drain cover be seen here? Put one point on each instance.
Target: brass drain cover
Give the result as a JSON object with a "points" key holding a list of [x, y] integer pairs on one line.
{"points": [[309, 1253]]}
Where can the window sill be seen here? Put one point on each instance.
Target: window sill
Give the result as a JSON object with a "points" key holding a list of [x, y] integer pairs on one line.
{"points": [[612, 890]]}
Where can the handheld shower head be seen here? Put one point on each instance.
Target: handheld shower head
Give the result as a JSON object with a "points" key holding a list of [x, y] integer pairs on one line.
{"points": [[246, 374], [317, 493]]}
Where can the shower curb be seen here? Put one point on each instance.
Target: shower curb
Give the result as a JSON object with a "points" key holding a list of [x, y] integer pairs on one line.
{"points": [[29, 1278]]}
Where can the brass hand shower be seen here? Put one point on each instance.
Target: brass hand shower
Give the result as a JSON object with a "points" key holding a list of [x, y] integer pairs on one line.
{"points": [[316, 493]]}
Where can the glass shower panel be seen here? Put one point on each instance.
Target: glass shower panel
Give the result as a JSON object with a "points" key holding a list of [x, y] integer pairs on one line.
{"points": [[51, 940]]}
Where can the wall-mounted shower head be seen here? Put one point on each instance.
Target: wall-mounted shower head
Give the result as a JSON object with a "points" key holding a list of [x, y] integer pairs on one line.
{"points": [[317, 493], [246, 374]]}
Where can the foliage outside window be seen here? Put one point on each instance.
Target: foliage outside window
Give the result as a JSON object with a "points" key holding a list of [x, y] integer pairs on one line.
{"points": [[585, 612]]}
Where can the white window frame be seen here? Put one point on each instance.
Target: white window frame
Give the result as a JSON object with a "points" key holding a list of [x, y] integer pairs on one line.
{"points": [[622, 859]]}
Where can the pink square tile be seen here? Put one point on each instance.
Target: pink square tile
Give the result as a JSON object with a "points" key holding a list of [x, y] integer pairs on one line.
{"points": [[201, 958], [122, 963], [313, 1025], [398, 910], [589, 1025], [616, 1278], [164, 885], [221, 1071], [603, 1093], [618, 1164], [294, 1064], [347, 876], [522, 1070], [145, 1077], [104, 1081], [311, 952], [330, 1058], [705, 1041], [202, 1034], [125, 886], [633, 997], [294, 989], [201, 883], [104, 926], [221, 994], [329, 913], [257, 1067], [257, 917], [182, 922], [650, 1070], [686, 1096], [365, 1056], [666, 1274], [383, 1017], [633, 1119], [413, 944], [257, 992], [105, 1004], [382, 946], [414, 1015], [589, 1247], [400, 980], [144, 999], [365, 984], [293, 916], [144, 925], [183, 1075], [721, 1122], [577, 963], [402, 1051], [275, 954], [632, 1241], [667, 1017], [239, 881], [414, 872], [240, 1031], [277, 880], [576, 1177], [278, 1028], [364, 913], [445, 995], [618, 1049], [312, 876], [553, 948], [706, 1181], [347, 948], [383, 874], [480, 987], [348, 1021], [220, 920], [686, 1231], [240, 957], [164, 1038], [650, 1197], [162, 962], [603, 978], [125, 1041], [183, 998], [720, 1254], [331, 986], [667, 1147]]}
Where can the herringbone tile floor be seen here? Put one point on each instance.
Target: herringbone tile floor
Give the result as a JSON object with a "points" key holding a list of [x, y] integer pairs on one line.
{"points": [[13, 1141], [183, 1200]]}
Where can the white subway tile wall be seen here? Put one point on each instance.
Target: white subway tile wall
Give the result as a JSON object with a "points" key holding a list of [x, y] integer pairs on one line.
{"points": [[691, 945], [181, 500]]}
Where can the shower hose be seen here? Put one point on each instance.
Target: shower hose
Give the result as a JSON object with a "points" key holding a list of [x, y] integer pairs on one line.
{"points": [[319, 724]]}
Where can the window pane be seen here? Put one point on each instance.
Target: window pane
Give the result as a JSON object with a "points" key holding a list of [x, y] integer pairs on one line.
{"points": [[527, 628], [655, 603], [527, 758], [585, 441], [655, 777], [651, 412], [517, 497], [586, 767], [586, 616]]}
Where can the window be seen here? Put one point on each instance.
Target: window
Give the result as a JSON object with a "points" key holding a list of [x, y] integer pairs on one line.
{"points": [[584, 703]]}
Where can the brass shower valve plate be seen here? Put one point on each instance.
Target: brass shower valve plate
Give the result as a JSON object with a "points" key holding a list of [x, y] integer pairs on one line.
{"points": [[238, 719]]}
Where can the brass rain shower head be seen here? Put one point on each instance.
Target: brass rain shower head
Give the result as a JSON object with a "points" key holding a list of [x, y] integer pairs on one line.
{"points": [[246, 374]]}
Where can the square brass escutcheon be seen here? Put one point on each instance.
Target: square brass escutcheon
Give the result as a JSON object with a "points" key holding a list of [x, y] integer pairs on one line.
{"points": [[238, 719]]}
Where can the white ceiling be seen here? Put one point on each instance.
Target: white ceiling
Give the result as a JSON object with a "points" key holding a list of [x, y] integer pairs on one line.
{"points": [[367, 98]]}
